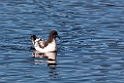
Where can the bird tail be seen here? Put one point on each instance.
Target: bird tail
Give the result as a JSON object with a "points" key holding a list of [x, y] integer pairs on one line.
{"points": [[33, 38]]}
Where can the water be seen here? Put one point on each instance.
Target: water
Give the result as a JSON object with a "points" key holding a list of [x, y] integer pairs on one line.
{"points": [[91, 48]]}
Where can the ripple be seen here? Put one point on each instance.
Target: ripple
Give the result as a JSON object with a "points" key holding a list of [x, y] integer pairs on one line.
{"points": [[90, 49]]}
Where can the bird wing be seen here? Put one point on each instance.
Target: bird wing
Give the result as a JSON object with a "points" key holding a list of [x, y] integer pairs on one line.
{"points": [[42, 43]]}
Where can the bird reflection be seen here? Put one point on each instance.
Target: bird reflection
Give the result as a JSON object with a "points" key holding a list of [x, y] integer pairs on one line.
{"points": [[50, 55], [51, 61]]}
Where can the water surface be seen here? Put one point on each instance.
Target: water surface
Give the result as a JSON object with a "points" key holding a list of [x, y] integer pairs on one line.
{"points": [[91, 48]]}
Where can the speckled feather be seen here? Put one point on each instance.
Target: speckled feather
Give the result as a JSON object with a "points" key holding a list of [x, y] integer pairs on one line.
{"points": [[45, 45]]}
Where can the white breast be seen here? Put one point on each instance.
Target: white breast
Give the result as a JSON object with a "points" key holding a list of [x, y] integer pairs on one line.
{"points": [[49, 48]]}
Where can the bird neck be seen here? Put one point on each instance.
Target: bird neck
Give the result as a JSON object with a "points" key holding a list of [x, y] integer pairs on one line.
{"points": [[51, 40]]}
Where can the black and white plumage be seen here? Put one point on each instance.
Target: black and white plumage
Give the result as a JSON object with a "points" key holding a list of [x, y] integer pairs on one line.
{"points": [[45, 45]]}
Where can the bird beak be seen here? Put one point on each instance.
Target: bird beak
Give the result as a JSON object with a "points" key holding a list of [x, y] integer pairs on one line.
{"points": [[58, 36]]}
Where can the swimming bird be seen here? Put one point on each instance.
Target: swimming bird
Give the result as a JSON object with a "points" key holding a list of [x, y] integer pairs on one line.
{"points": [[45, 45]]}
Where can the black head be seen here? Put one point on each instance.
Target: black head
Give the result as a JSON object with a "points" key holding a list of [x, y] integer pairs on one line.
{"points": [[54, 34]]}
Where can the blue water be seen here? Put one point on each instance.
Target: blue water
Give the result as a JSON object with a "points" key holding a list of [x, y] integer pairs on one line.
{"points": [[91, 48]]}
